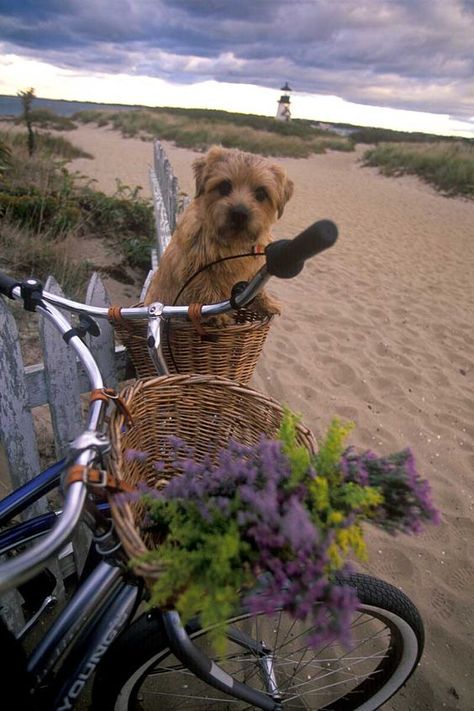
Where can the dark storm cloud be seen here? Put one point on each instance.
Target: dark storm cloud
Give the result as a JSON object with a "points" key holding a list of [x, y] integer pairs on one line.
{"points": [[414, 54]]}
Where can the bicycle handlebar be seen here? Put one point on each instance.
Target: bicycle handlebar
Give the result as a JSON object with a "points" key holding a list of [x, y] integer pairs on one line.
{"points": [[286, 257], [7, 284]]}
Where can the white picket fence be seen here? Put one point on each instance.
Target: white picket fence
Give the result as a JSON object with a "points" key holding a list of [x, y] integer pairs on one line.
{"points": [[59, 380]]}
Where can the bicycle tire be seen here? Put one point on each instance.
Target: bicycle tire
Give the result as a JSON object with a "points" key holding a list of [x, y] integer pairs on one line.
{"points": [[142, 653]]}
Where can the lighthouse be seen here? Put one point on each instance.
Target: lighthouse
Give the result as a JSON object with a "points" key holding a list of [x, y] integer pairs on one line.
{"points": [[283, 111]]}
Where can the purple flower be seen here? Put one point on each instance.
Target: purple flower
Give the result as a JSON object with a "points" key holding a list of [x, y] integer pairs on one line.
{"points": [[132, 455], [407, 497]]}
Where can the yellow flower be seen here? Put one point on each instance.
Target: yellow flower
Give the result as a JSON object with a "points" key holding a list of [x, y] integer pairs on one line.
{"points": [[319, 488], [335, 517], [352, 537]]}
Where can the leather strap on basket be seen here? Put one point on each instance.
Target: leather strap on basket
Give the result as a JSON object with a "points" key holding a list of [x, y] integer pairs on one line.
{"points": [[108, 394], [97, 479], [115, 317], [194, 315]]}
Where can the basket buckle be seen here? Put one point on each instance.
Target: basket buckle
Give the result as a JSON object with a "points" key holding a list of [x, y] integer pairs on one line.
{"points": [[97, 478]]}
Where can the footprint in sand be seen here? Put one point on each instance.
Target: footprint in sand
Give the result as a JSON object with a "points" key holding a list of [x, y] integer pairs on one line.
{"points": [[462, 578], [442, 604], [342, 373], [395, 566], [439, 534]]}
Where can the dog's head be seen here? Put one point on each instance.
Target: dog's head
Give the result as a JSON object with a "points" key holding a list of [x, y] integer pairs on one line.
{"points": [[240, 195]]}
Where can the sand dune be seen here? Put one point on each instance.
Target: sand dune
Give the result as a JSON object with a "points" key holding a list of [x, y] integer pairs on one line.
{"points": [[379, 330]]}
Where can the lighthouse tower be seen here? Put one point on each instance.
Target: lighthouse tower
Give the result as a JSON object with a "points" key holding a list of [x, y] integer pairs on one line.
{"points": [[283, 111]]}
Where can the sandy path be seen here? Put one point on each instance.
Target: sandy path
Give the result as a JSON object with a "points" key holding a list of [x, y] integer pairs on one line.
{"points": [[379, 330], [127, 160]]}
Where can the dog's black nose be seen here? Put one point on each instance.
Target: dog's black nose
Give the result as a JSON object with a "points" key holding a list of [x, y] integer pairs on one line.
{"points": [[239, 216]]}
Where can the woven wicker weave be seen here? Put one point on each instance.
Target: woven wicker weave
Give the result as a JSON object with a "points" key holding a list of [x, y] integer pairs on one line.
{"points": [[204, 411], [230, 351]]}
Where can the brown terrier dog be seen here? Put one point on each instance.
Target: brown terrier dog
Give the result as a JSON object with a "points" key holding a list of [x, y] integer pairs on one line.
{"points": [[238, 197]]}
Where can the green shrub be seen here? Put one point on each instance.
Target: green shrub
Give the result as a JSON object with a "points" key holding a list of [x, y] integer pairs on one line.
{"points": [[5, 156], [31, 208], [448, 166], [47, 145], [89, 116], [57, 146], [45, 118]]}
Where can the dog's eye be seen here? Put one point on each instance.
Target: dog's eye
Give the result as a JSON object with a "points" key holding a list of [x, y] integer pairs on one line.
{"points": [[225, 188], [261, 194]]}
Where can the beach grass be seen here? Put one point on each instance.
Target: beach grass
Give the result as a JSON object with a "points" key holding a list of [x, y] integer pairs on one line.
{"points": [[47, 145], [199, 129], [44, 208], [447, 165], [47, 119]]}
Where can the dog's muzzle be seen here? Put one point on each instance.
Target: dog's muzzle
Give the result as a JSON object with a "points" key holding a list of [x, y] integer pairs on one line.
{"points": [[238, 216]]}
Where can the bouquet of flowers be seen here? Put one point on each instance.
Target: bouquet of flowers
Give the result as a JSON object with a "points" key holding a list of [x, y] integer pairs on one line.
{"points": [[272, 524]]}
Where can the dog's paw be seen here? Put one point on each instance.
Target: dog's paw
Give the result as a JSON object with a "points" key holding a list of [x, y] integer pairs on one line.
{"points": [[266, 305], [219, 321]]}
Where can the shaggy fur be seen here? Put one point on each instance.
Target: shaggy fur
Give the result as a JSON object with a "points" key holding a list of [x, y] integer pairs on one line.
{"points": [[238, 197]]}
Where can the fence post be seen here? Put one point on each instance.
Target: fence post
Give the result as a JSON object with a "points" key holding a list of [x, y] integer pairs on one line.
{"points": [[102, 347], [16, 423], [61, 381], [17, 439], [157, 161], [163, 230], [146, 284], [165, 191], [166, 187], [174, 203]]}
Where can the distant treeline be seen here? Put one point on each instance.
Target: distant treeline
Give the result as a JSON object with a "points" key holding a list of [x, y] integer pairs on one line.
{"points": [[386, 135]]}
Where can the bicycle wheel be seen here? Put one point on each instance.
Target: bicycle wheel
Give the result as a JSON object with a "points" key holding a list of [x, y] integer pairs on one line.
{"points": [[140, 672]]}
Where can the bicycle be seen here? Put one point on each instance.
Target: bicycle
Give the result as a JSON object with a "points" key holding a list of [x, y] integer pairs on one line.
{"points": [[149, 660]]}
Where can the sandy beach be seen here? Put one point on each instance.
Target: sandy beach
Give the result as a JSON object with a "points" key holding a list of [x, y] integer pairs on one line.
{"points": [[378, 330]]}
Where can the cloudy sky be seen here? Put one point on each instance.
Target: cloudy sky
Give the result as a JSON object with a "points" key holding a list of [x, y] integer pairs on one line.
{"points": [[402, 63]]}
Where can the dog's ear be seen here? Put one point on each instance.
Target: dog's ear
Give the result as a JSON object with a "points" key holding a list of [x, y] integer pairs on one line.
{"points": [[284, 188], [201, 166]]}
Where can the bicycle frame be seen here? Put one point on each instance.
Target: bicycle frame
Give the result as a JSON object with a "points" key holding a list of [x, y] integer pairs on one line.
{"points": [[27, 495], [81, 636]]}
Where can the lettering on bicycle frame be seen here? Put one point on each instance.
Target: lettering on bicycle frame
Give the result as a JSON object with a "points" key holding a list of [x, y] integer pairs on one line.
{"points": [[90, 665], [60, 648]]}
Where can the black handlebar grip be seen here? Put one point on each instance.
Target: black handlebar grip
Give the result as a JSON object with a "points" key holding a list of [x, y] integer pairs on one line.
{"points": [[7, 284], [286, 257]]}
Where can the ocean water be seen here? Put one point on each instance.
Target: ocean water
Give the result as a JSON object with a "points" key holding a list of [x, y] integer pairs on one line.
{"points": [[12, 106]]}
